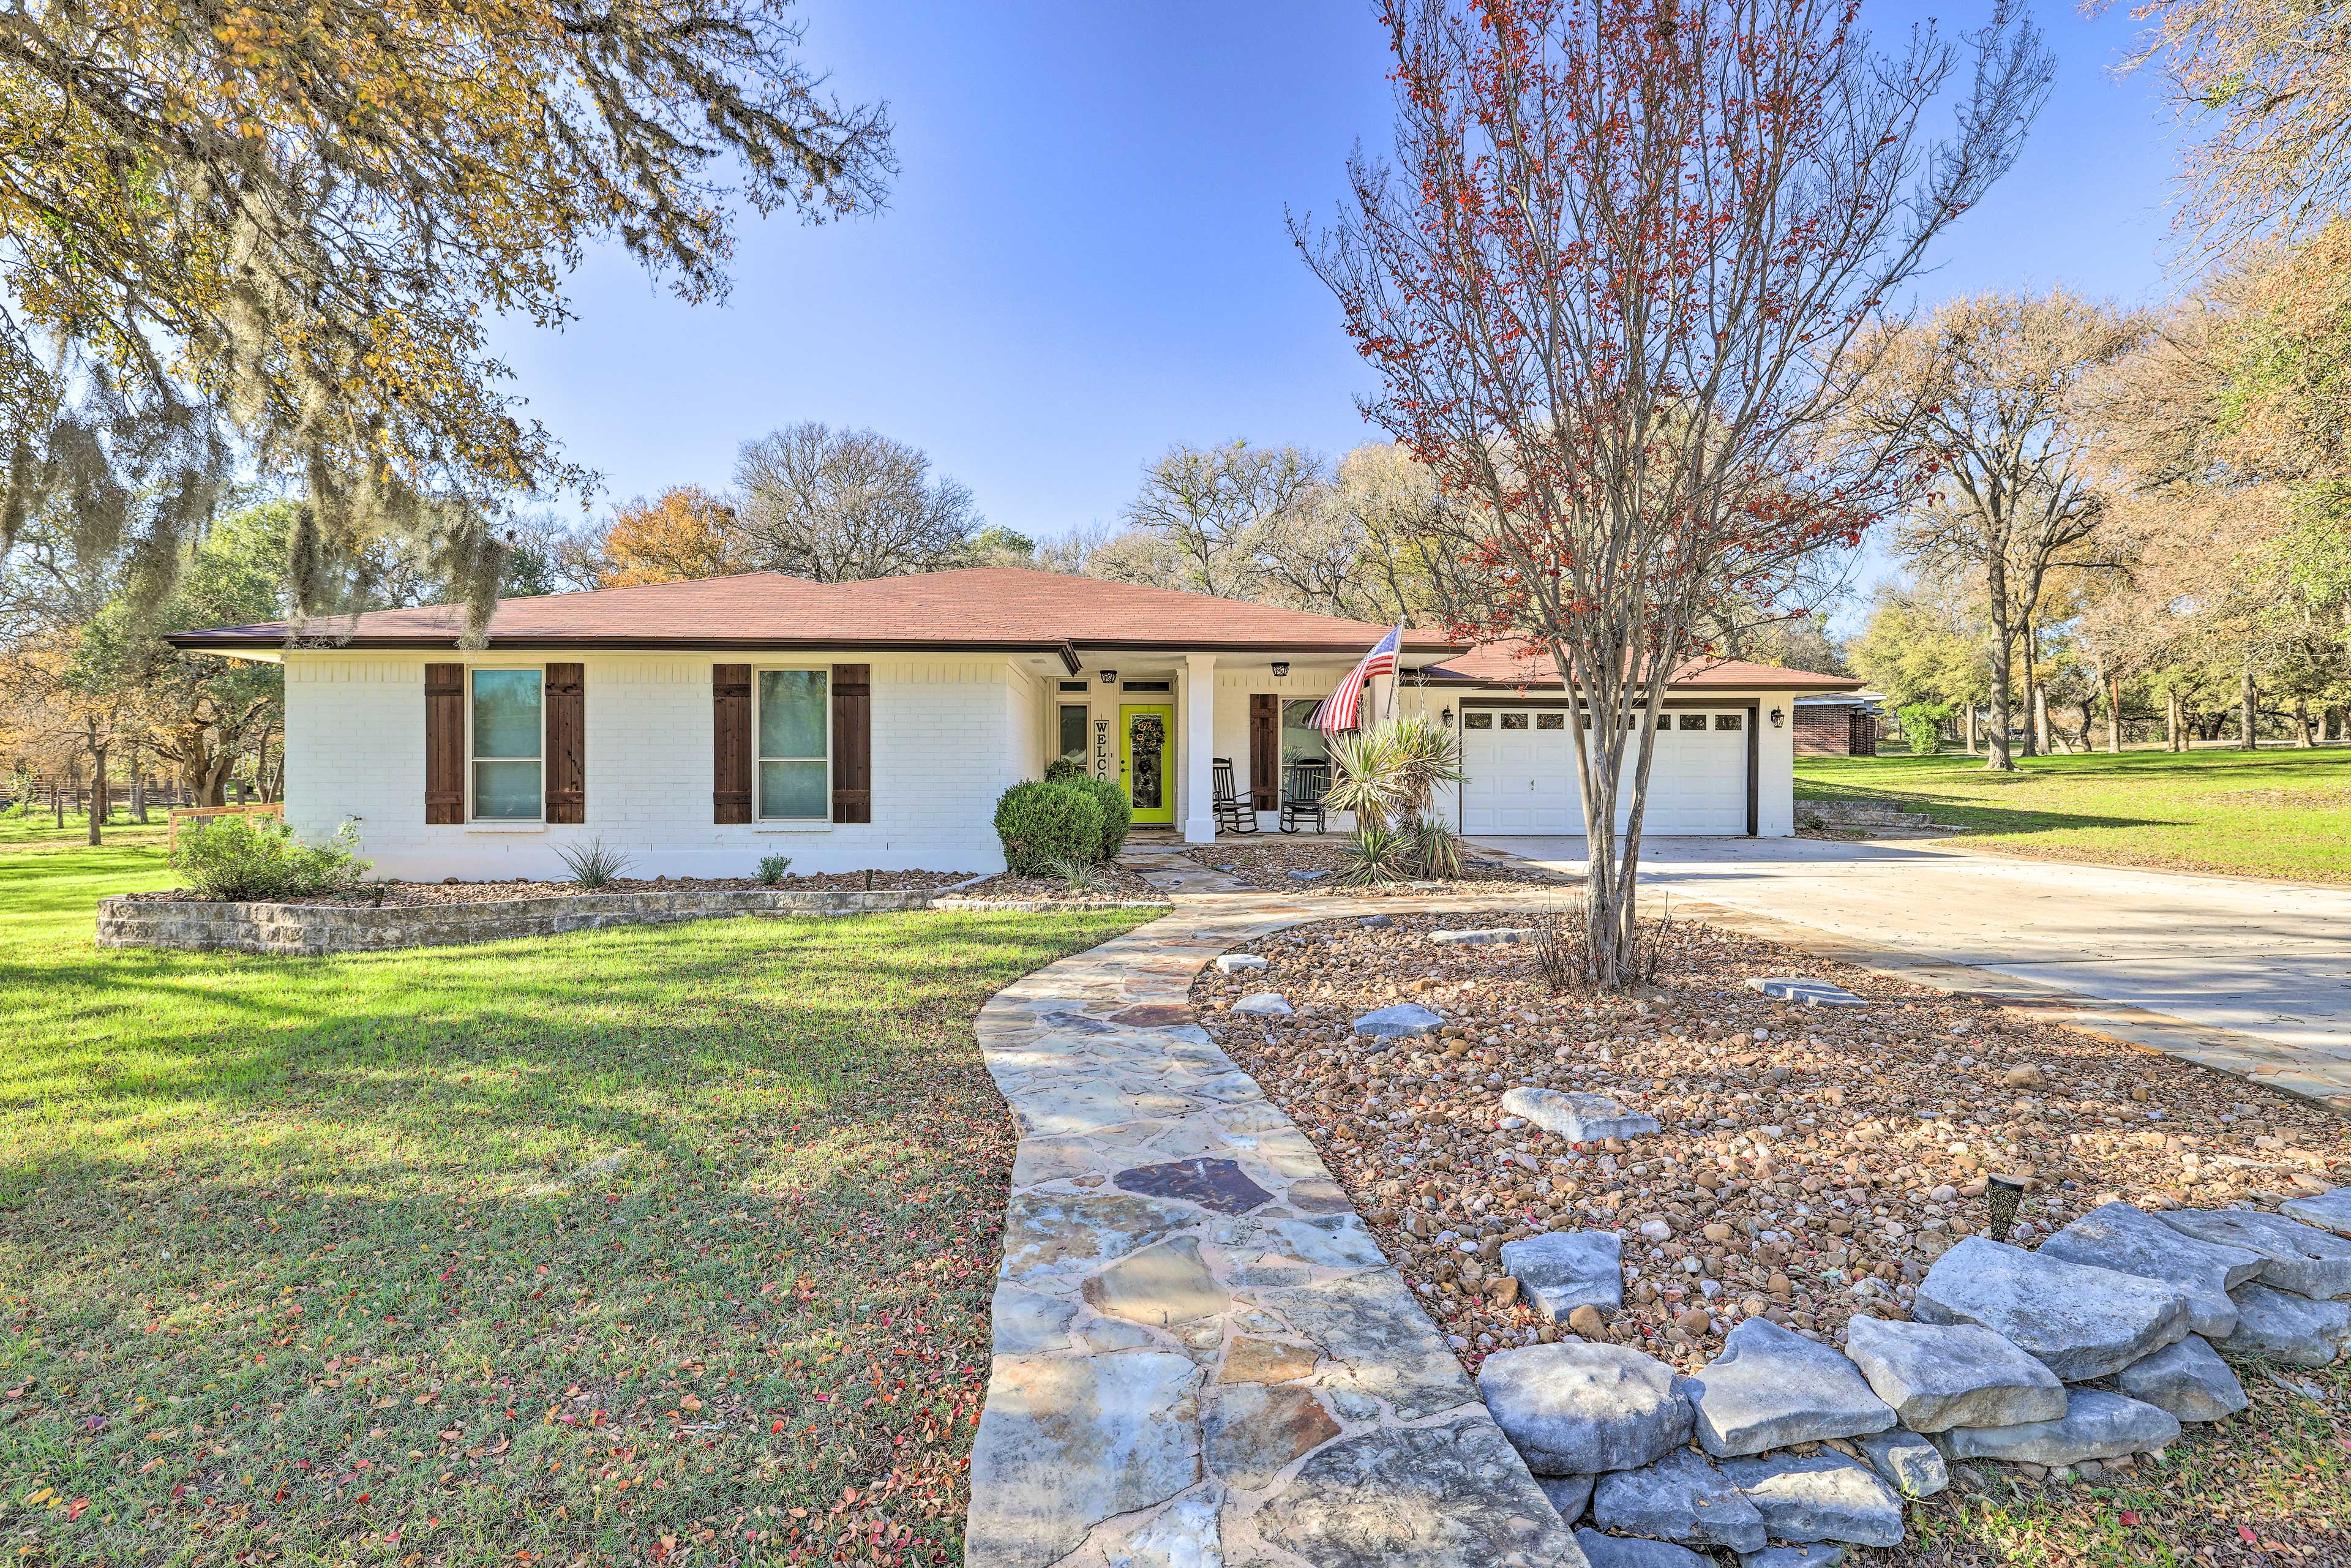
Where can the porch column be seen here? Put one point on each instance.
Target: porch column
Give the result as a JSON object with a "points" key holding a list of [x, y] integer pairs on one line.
{"points": [[1200, 747]]}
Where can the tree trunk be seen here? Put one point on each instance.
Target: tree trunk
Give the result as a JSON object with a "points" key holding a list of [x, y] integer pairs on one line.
{"points": [[57, 799], [2301, 724], [2003, 657], [2037, 740], [2043, 735], [2248, 708], [2172, 721], [97, 790], [2114, 684], [138, 787]]}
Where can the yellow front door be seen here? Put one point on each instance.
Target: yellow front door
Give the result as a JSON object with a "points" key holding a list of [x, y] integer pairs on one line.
{"points": [[1146, 761]]}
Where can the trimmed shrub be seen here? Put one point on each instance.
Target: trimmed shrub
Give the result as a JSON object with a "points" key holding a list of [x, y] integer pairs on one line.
{"points": [[1922, 726], [1117, 812], [1061, 769], [249, 859], [772, 868], [1040, 823]]}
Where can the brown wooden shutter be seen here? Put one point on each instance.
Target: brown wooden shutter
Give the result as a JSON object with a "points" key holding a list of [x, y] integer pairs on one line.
{"points": [[1265, 750], [853, 743], [567, 744], [444, 744], [730, 713]]}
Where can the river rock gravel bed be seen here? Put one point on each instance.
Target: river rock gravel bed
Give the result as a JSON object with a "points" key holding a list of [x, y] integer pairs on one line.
{"points": [[1312, 866], [1811, 1163]]}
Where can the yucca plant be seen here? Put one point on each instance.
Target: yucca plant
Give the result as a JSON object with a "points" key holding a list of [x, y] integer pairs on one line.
{"points": [[1374, 855], [1078, 874], [772, 868], [1390, 772], [594, 864], [1435, 849]]}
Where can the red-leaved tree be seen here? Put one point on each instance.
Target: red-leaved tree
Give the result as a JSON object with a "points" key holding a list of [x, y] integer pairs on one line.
{"points": [[1618, 287]]}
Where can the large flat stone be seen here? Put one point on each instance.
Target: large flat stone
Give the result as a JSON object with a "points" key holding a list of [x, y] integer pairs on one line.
{"points": [[1560, 1270], [2118, 1236], [1433, 1497], [1576, 1408], [2096, 1426], [1909, 1463], [1162, 1286], [1578, 1118], [1632, 1551], [1048, 1233], [1569, 1495], [2286, 1327], [1067, 1442], [2077, 1320], [1825, 1497], [1812, 993], [1487, 936], [1219, 1185], [1681, 1498], [1264, 1004], [1805, 1555], [1383, 1341], [2300, 1258], [1397, 1022], [1184, 1535], [1252, 1430], [1940, 1375], [2188, 1379], [1771, 1387], [2328, 1211]]}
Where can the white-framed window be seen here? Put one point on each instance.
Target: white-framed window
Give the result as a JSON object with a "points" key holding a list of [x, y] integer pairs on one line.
{"points": [[1073, 735], [1300, 741], [792, 724], [505, 728]]}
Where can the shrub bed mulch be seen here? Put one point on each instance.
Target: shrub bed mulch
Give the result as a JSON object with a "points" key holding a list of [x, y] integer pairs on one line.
{"points": [[1121, 886], [1268, 867], [1812, 1164], [418, 895]]}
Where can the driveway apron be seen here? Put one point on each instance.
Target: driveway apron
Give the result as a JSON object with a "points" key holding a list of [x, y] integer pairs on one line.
{"points": [[1201, 1354]]}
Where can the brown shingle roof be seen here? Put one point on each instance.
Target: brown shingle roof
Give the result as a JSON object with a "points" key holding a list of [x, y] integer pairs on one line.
{"points": [[1509, 664], [983, 607]]}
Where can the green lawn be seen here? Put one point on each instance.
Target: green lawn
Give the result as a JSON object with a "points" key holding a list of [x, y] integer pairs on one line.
{"points": [[643, 1244], [2281, 813]]}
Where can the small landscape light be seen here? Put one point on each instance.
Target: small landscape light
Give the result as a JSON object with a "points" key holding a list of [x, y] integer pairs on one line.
{"points": [[2001, 1194], [1281, 667]]}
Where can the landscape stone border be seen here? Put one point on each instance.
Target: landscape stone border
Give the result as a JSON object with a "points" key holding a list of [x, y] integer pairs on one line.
{"points": [[1201, 1354], [315, 929]]}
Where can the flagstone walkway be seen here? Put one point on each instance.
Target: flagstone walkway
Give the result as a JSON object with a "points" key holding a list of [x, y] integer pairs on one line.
{"points": [[1202, 1358]]}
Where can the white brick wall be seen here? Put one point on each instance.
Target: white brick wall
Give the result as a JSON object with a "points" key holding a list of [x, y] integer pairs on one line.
{"points": [[950, 733]]}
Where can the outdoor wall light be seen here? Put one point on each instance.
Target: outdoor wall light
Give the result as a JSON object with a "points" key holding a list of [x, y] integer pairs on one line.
{"points": [[1281, 667], [1445, 717], [1109, 677], [1779, 717], [2001, 1194]]}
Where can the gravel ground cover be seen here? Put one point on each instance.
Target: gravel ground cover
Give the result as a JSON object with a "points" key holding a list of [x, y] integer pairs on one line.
{"points": [[1121, 886], [1270, 867], [416, 894], [1810, 1165]]}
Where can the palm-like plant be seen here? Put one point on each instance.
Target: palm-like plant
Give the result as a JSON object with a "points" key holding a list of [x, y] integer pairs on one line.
{"points": [[1392, 770]]}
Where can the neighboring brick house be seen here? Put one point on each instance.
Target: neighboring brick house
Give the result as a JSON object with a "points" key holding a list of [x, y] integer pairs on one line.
{"points": [[698, 726], [1837, 725]]}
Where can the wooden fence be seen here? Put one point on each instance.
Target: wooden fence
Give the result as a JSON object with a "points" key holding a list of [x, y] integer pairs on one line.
{"points": [[206, 813]]}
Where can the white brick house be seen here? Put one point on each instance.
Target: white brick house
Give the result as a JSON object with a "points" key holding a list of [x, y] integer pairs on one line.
{"points": [[699, 725]]}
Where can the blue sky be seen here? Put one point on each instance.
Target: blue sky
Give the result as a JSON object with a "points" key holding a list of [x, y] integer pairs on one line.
{"points": [[1084, 260]]}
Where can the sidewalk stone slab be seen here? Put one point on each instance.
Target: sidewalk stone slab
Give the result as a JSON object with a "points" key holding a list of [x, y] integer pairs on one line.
{"points": [[2328, 1211], [1384, 1346], [1252, 1430], [1052, 1232], [2188, 1379], [1812, 993], [1825, 1497], [1184, 1535], [1220, 1185], [1910, 1463], [2118, 1236], [1681, 1498], [1397, 1022], [1632, 1551], [2096, 1426], [1161, 1286], [1578, 1118], [2302, 1257], [2079, 1321], [1066, 1441], [1570, 1495], [1454, 1496], [1770, 1389], [1560, 1270], [1937, 1376], [2290, 1328], [1576, 1408]]}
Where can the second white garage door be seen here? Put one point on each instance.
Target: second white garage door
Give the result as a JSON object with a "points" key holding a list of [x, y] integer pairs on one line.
{"points": [[1519, 768]]}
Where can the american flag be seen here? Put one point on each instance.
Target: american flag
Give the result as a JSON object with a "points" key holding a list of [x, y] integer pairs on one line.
{"points": [[1342, 709]]}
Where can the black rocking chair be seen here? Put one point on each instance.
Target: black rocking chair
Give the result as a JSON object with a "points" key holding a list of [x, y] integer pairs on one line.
{"points": [[1303, 798], [1235, 812]]}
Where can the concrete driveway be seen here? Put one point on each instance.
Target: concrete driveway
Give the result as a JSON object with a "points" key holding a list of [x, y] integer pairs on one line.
{"points": [[2268, 960]]}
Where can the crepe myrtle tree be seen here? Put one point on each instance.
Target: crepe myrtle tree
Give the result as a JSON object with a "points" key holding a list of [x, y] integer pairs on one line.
{"points": [[1617, 284]]}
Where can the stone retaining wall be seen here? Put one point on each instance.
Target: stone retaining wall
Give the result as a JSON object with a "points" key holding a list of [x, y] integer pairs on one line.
{"points": [[315, 928]]}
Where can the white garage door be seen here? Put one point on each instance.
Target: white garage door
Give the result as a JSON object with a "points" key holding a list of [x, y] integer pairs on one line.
{"points": [[1519, 774]]}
